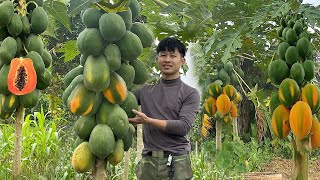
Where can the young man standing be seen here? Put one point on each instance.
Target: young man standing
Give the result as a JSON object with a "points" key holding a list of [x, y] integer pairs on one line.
{"points": [[168, 109]]}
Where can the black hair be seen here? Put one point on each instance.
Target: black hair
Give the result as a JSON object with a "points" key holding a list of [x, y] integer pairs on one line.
{"points": [[170, 44]]}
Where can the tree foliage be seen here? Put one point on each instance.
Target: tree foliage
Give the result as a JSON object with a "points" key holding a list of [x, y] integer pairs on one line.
{"points": [[76, 6], [225, 29], [58, 10]]}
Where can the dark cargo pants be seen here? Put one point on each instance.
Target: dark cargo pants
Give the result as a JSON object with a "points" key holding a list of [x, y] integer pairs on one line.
{"points": [[154, 167]]}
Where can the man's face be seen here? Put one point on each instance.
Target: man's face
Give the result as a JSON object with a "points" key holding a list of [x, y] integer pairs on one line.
{"points": [[170, 63]]}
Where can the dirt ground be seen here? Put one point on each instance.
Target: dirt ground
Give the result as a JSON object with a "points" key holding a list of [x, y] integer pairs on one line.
{"points": [[283, 166]]}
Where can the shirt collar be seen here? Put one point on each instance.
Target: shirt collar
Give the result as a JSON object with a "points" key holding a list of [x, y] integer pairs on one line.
{"points": [[171, 81]]}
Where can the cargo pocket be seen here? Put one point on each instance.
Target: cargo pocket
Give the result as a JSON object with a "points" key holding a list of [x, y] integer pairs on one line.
{"points": [[138, 169], [145, 168], [182, 167]]}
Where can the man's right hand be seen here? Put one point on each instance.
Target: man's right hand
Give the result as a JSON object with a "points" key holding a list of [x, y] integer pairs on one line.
{"points": [[142, 118]]}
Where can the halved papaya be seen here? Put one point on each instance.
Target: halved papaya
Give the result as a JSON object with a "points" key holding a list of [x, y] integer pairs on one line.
{"points": [[22, 77]]}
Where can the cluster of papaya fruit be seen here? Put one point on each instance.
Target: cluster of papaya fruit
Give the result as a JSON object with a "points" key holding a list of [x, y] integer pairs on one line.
{"points": [[294, 52], [225, 73], [98, 90], [221, 97], [294, 106], [222, 102], [24, 61]]}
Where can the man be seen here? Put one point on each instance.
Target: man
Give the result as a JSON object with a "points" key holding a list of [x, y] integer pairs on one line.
{"points": [[168, 109]]}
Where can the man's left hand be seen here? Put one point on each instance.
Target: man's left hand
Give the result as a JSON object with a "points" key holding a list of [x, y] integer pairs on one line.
{"points": [[140, 118]]}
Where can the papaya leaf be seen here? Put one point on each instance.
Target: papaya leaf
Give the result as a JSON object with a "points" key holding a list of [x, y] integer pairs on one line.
{"points": [[148, 57], [164, 27], [172, 8], [274, 10], [231, 41], [69, 49], [185, 68], [295, 5], [201, 64], [58, 10], [180, 19], [232, 44], [260, 17], [51, 28], [193, 18], [279, 9], [316, 41], [311, 13], [107, 6], [209, 43], [200, 16], [77, 6]]}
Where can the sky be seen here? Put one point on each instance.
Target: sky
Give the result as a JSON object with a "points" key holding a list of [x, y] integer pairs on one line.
{"points": [[190, 78], [314, 2]]}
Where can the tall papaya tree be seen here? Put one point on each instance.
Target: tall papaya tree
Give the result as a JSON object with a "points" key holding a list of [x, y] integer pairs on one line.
{"points": [[99, 89], [220, 101], [295, 104], [25, 64]]}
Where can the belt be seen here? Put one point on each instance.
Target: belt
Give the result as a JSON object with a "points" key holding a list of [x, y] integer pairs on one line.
{"points": [[158, 154], [161, 154]]}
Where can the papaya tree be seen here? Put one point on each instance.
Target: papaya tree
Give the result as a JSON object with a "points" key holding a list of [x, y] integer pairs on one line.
{"points": [[221, 99], [295, 105], [99, 89], [24, 63]]}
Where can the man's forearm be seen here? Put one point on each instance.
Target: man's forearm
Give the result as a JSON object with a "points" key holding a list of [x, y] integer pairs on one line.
{"points": [[158, 123], [176, 126], [179, 127]]}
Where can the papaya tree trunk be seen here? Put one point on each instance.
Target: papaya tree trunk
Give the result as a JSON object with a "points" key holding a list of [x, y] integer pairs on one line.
{"points": [[18, 143], [246, 117], [126, 164], [99, 170], [218, 134], [235, 129], [300, 160], [196, 148], [139, 143]]}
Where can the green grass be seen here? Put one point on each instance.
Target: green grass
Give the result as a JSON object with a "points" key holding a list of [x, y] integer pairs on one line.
{"points": [[48, 145], [46, 150], [234, 159]]}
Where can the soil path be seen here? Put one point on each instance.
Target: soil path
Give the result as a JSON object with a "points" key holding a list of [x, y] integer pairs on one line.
{"points": [[283, 166]]}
